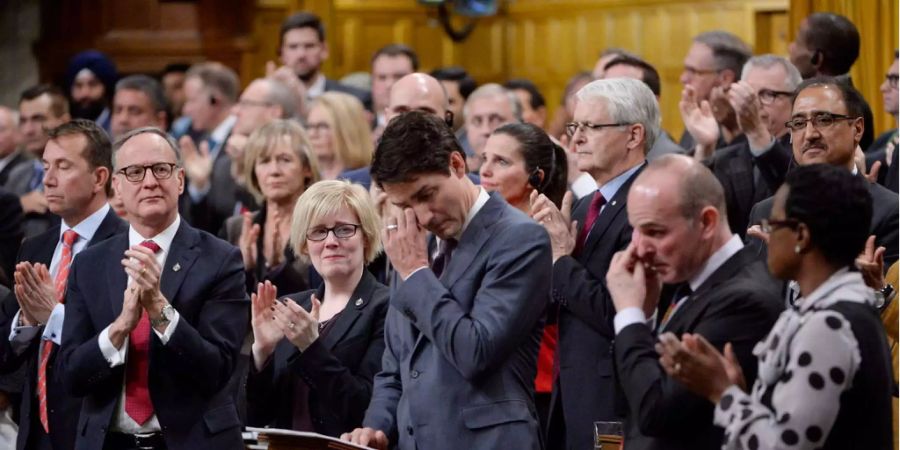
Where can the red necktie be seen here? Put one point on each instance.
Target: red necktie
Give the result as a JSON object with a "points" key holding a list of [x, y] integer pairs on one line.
{"points": [[138, 405], [59, 283], [593, 212]]}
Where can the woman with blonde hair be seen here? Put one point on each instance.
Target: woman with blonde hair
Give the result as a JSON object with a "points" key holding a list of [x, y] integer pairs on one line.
{"points": [[316, 353], [339, 134], [278, 168]]}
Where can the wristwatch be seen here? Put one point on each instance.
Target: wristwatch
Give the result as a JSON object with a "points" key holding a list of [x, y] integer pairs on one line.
{"points": [[166, 316], [884, 295]]}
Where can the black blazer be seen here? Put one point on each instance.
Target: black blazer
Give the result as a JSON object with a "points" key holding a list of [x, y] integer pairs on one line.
{"points": [[887, 176], [203, 279], [885, 222], [338, 368], [585, 325], [62, 408], [10, 234], [733, 166], [738, 303]]}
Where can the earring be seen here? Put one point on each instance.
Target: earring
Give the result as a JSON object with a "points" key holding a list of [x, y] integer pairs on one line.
{"points": [[797, 249]]}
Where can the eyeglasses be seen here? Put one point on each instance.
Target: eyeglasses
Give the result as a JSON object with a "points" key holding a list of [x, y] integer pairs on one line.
{"points": [[342, 231], [319, 126], [819, 121], [891, 79], [136, 173], [768, 225], [573, 127], [767, 96]]}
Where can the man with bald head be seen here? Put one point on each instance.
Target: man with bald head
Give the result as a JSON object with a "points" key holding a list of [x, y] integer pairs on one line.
{"points": [[714, 286], [152, 349]]}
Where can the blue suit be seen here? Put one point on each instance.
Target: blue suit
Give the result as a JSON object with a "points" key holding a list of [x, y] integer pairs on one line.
{"points": [[460, 359], [203, 279]]}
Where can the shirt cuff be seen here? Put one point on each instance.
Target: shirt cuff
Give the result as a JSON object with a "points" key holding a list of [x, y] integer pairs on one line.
{"points": [[114, 356], [21, 336], [584, 185], [197, 195], [627, 317], [757, 152], [414, 271], [54, 327], [166, 335]]}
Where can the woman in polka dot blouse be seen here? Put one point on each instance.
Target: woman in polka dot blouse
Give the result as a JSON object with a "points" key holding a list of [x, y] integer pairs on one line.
{"points": [[824, 369]]}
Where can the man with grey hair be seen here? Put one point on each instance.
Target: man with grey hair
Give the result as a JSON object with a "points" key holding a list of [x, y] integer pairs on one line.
{"points": [[263, 101], [10, 154], [713, 63], [753, 169], [486, 109], [139, 101], [615, 123], [152, 350]]}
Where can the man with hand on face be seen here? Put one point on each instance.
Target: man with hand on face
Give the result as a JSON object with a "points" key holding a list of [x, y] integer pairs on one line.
{"points": [[78, 170], [715, 287], [151, 350], [465, 323], [826, 125]]}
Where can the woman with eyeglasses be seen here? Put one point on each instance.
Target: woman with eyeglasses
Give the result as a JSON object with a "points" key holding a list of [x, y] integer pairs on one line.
{"points": [[316, 352], [824, 376], [520, 159], [278, 167], [339, 133]]}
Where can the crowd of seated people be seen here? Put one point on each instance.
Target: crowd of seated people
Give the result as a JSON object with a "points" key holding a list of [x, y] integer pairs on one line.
{"points": [[425, 262]]}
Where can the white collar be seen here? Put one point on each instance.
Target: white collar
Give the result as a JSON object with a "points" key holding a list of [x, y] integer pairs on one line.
{"points": [[482, 198], [163, 239], [221, 132], [87, 227], [317, 88], [715, 261]]}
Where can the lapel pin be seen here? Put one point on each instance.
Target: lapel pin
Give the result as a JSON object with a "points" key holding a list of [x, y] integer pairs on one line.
{"points": [[176, 267], [359, 302], [613, 203]]}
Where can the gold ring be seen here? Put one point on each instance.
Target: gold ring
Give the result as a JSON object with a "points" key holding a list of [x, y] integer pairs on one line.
{"points": [[291, 325], [677, 367]]}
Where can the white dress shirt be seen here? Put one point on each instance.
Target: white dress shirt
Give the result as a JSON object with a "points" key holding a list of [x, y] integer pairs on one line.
{"points": [[117, 356]]}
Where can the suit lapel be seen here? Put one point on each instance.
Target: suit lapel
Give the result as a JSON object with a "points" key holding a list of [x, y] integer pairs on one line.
{"points": [[181, 255], [472, 239], [118, 279], [613, 208], [345, 320], [110, 226]]}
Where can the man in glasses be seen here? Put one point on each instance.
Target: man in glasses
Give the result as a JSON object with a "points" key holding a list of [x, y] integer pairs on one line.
{"points": [[155, 317], [615, 124], [77, 174], [826, 125], [753, 169], [884, 149]]}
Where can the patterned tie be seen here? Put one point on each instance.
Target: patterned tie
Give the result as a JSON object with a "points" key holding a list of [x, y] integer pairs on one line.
{"points": [[682, 292], [443, 257], [138, 405], [62, 274], [593, 212]]}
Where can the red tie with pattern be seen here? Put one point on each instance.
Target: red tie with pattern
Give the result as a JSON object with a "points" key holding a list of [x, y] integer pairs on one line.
{"points": [[137, 389], [59, 284], [593, 212]]}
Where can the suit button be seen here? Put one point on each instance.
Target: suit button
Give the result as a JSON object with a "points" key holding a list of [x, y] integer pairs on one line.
{"points": [[414, 374], [409, 429]]}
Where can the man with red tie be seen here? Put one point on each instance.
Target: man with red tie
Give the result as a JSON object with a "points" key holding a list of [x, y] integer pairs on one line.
{"points": [[156, 318], [615, 124], [78, 168]]}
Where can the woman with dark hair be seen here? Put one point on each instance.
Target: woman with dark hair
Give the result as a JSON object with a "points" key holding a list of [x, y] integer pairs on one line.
{"points": [[824, 370], [519, 159]]}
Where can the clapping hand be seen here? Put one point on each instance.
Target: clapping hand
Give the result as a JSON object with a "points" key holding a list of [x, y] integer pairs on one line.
{"points": [[557, 222], [266, 332], [699, 120], [300, 327], [696, 364], [247, 241], [35, 292], [871, 264], [198, 163]]}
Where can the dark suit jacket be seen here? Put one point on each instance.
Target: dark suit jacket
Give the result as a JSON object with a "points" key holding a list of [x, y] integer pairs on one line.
{"points": [[364, 97], [10, 234], [21, 157], [461, 351], [337, 369], [885, 222], [585, 324], [189, 375], [887, 176], [738, 303], [733, 166], [62, 408]]}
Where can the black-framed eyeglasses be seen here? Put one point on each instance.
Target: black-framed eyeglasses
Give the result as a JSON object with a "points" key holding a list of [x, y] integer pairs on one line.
{"points": [[767, 96], [136, 173], [891, 79], [573, 127], [342, 231], [767, 225], [819, 121]]}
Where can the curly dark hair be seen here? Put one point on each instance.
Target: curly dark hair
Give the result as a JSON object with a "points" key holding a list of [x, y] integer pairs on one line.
{"points": [[836, 207], [413, 144]]}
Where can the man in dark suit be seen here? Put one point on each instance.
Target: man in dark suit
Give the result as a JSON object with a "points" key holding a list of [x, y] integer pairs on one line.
{"points": [[753, 169], [884, 149], [10, 234], [151, 351], [462, 335], [78, 169], [303, 49], [827, 124], [681, 236], [613, 156]]}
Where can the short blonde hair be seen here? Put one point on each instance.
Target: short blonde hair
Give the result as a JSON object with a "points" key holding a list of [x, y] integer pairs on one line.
{"points": [[328, 197], [262, 141], [352, 138]]}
